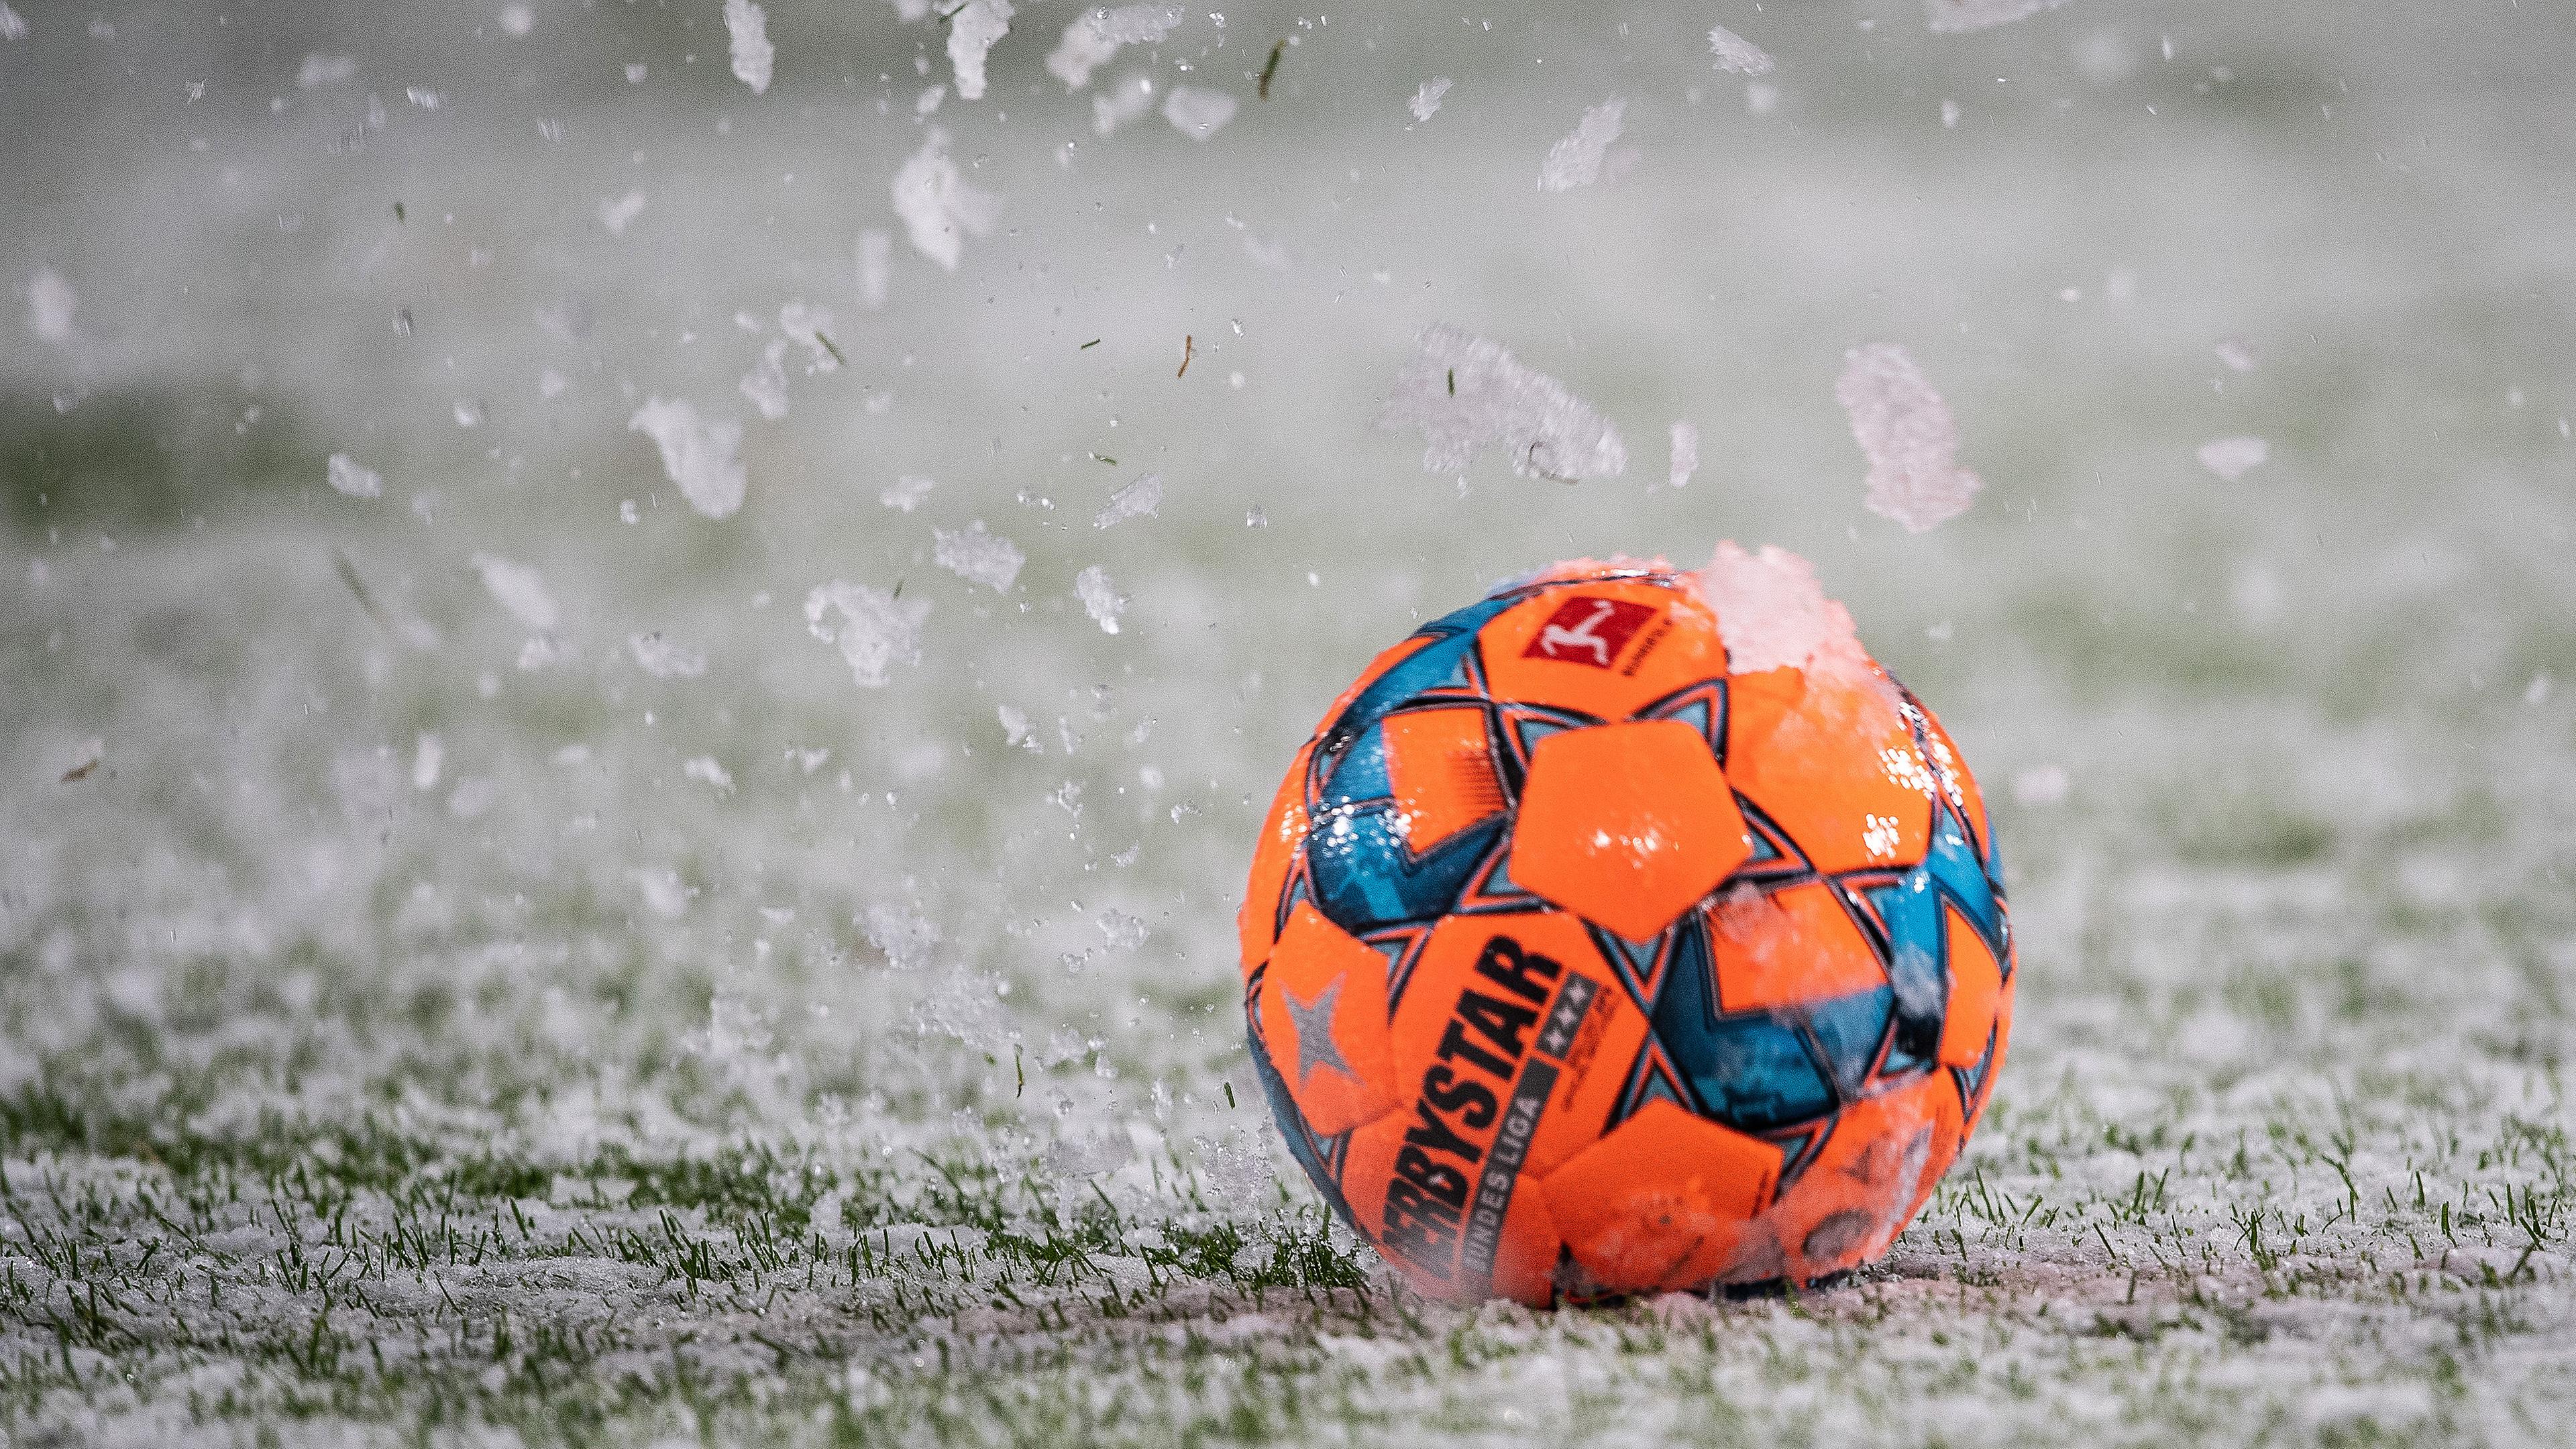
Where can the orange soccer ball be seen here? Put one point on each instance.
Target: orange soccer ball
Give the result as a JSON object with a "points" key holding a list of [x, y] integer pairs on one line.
{"points": [[1630, 930]]}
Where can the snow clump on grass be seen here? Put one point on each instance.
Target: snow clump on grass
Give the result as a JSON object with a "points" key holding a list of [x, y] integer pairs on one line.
{"points": [[939, 208], [1737, 55], [873, 629], [1098, 34], [666, 658], [1100, 598], [1465, 393], [50, 301], [1426, 101], [697, 453], [1198, 114], [1576, 160], [972, 29], [748, 24], [977, 556], [1904, 429], [357, 480], [521, 590], [2233, 458], [1957, 17], [1137, 500]]}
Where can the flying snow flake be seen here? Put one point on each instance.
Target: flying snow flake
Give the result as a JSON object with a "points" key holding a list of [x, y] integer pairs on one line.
{"points": [[1426, 99], [1737, 55], [875, 253], [1904, 429], [910, 9], [2042, 785], [1100, 598], [972, 29], [1771, 614], [1130, 97], [1124, 932], [698, 453], [618, 214], [1015, 728], [354, 478], [13, 26], [905, 493], [810, 327], [1098, 34], [664, 657], [324, 70], [663, 893], [766, 383], [1576, 160], [1137, 499], [1198, 114], [939, 208], [1685, 453], [50, 301], [428, 753], [1465, 394], [519, 589], [711, 770], [2233, 458], [2236, 352], [873, 629], [748, 24], [1957, 17], [905, 936], [977, 556]]}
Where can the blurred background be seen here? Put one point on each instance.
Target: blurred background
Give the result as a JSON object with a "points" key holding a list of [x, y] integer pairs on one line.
{"points": [[495, 780]]}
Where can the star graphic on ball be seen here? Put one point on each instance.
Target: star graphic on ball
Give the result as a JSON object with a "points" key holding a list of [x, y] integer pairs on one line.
{"points": [[1314, 1021]]}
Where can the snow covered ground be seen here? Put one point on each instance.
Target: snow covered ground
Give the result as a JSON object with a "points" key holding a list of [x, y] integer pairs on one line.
{"points": [[579, 859]]}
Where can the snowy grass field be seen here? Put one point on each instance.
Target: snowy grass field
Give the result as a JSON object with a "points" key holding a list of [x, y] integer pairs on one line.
{"points": [[476, 968]]}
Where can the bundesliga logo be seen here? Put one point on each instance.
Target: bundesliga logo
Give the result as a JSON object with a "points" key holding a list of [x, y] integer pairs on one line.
{"points": [[1588, 630]]}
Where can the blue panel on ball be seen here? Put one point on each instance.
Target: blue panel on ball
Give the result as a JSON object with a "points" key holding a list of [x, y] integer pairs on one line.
{"points": [[1751, 1071], [1849, 1028], [1451, 635], [1365, 877], [1360, 774]]}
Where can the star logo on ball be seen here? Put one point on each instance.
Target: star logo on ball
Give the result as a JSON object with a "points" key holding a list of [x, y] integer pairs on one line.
{"points": [[1314, 1021]]}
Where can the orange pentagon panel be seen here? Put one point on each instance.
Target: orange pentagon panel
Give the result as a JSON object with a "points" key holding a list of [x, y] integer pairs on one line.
{"points": [[1511, 1043], [1985, 1085], [1662, 1201], [1976, 979], [1852, 1200], [1601, 647], [1283, 834], [1833, 763], [1440, 767], [1787, 948], [1627, 824], [1323, 1011]]}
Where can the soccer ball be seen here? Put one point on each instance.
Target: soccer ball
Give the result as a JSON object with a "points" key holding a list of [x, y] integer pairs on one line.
{"points": [[1629, 930]]}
